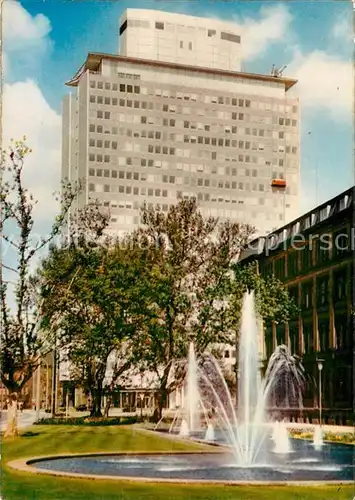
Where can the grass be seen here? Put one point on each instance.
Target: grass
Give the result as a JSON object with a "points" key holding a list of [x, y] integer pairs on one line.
{"points": [[46, 440]]}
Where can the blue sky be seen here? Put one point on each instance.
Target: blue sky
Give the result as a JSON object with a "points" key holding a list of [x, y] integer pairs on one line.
{"points": [[313, 38]]}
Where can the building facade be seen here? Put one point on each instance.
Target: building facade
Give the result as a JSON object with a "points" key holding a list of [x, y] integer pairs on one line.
{"points": [[154, 130], [314, 257], [178, 38]]}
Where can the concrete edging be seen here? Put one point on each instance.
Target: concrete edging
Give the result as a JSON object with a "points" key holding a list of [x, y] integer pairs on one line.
{"points": [[26, 465]]}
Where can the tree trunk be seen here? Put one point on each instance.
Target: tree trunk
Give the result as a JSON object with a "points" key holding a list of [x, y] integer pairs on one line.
{"points": [[162, 400], [96, 403], [12, 410], [107, 406]]}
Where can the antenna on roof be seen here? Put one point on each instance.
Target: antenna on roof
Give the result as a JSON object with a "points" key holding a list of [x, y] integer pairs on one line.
{"points": [[277, 72]]}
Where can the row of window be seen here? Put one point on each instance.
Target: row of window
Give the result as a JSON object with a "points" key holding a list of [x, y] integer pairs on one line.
{"points": [[171, 123], [208, 113], [317, 253], [172, 179], [214, 128], [143, 162], [324, 334], [206, 140], [136, 191], [122, 87], [187, 96]]}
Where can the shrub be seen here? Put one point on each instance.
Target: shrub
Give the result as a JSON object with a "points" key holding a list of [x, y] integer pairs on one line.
{"points": [[87, 421]]}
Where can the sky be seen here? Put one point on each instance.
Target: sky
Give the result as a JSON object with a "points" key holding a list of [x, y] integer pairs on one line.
{"points": [[45, 42]]}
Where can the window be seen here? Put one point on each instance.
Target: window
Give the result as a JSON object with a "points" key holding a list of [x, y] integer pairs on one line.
{"points": [[306, 295], [211, 33], [190, 45], [159, 26], [292, 263], [280, 268], [323, 247], [339, 285], [341, 331], [323, 332], [181, 44], [322, 290], [341, 242], [91, 187], [280, 334], [122, 87], [306, 257], [308, 337], [123, 27], [230, 37]]}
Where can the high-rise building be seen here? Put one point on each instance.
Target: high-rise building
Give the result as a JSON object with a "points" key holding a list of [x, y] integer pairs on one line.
{"points": [[173, 116]]}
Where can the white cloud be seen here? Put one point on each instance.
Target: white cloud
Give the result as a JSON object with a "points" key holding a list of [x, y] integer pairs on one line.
{"points": [[25, 109], [25, 39], [258, 34], [324, 81], [26, 112], [342, 28], [21, 28]]}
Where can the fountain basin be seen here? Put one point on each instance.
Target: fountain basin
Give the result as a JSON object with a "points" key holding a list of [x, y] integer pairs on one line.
{"points": [[333, 464]]}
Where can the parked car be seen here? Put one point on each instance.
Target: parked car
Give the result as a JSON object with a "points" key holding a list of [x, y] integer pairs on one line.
{"points": [[81, 408]]}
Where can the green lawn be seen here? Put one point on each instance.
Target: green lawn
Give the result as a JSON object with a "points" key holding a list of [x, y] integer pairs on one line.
{"points": [[45, 440]]}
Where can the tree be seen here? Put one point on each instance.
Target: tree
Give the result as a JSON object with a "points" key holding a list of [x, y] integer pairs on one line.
{"points": [[189, 286], [20, 307], [99, 315], [196, 288], [273, 302]]}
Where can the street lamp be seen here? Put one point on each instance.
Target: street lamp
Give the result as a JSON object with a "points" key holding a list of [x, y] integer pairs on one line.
{"points": [[320, 368]]}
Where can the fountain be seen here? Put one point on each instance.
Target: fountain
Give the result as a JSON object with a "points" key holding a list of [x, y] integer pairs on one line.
{"points": [[191, 403], [281, 439], [184, 429], [209, 436], [318, 438], [247, 429], [259, 449]]}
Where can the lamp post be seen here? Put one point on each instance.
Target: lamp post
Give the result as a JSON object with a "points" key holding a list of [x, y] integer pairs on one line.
{"points": [[320, 368]]}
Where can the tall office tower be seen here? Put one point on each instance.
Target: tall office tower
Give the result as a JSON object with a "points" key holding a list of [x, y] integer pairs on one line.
{"points": [[140, 129]]}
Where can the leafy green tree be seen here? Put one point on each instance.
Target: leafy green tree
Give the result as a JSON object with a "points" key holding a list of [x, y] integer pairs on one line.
{"points": [[20, 307], [273, 302], [99, 315], [196, 288], [189, 286]]}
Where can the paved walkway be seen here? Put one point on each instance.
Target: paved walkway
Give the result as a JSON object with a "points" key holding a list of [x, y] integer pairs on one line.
{"points": [[25, 419]]}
